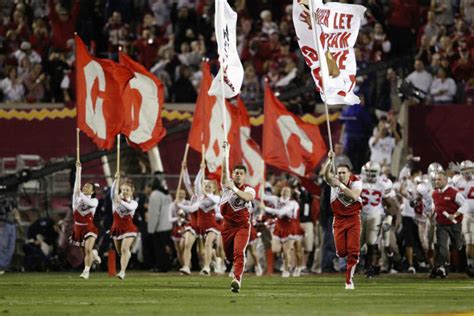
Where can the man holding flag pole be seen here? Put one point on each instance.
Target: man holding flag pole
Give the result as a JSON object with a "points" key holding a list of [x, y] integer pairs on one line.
{"points": [[236, 195], [326, 36]]}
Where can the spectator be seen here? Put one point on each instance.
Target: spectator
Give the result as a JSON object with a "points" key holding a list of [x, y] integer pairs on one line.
{"points": [[36, 84], [63, 23], [443, 10], [26, 51], [420, 78], [431, 29], [268, 26], [425, 50], [12, 87], [114, 33], [381, 43], [443, 88], [40, 38], [147, 48], [251, 89], [382, 144]]}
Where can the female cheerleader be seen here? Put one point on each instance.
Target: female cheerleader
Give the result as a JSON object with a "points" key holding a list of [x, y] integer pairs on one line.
{"points": [[123, 229], [85, 233]]}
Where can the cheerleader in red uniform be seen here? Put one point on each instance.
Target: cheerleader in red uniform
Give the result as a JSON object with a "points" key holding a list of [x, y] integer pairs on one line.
{"points": [[297, 234], [208, 202], [191, 229], [178, 218], [85, 233], [286, 210], [123, 229]]}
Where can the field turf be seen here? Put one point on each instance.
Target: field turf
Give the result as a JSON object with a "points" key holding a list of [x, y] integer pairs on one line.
{"points": [[170, 294]]}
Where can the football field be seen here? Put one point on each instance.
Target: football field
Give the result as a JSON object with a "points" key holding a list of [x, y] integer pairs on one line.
{"points": [[170, 294]]}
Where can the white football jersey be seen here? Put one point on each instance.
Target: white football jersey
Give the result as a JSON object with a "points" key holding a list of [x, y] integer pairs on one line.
{"points": [[425, 190], [372, 195], [467, 190]]}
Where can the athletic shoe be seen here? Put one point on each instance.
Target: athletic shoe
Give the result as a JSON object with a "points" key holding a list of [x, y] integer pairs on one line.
{"points": [[441, 272], [185, 270], [205, 271], [219, 266], [285, 274], [297, 272], [317, 271], [411, 270], [350, 286], [96, 257], [231, 273], [121, 275], [393, 271], [258, 270], [235, 286], [85, 275], [422, 265]]}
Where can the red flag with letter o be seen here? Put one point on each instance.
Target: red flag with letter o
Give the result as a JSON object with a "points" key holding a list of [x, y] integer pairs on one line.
{"points": [[289, 143], [99, 86], [143, 100]]}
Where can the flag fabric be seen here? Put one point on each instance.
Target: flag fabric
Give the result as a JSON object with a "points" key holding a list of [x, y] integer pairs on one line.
{"points": [[207, 126], [289, 143], [250, 152], [99, 87], [143, 100], [336, 26], [225, 23]]}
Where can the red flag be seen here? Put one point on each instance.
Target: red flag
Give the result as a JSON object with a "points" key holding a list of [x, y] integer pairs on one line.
{"points": [[289, 143], [99, 86], [207, 127], [143, 100], [250, 153]]}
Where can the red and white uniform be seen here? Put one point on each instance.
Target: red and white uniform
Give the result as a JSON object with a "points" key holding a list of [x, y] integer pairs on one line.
{"points": [[372, 208], [84, 207], [123, 212], [346, 225], [286, 211], [236, 228], [466, 188], [178, 221]]}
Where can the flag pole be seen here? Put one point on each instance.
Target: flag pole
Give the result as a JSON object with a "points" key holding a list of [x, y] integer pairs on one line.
{"points": [[321, 56], [185, 158], [118, 153], [222, 65], [78, 151]]}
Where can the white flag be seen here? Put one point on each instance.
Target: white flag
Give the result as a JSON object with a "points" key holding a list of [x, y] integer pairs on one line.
{"points": [[226, 36], [337, 27]]}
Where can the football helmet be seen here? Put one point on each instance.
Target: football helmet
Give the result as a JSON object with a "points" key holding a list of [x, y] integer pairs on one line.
{"points": [[371, 171]]}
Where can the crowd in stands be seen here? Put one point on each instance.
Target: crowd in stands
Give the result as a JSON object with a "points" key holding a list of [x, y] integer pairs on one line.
{"points": [[171, 37]]}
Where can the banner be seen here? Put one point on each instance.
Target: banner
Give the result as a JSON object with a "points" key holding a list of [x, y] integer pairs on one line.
{"points": [[337, 27], [225, 22], [99, 87], [250, 151], [289, 143], [208, 126], [143, 100]]}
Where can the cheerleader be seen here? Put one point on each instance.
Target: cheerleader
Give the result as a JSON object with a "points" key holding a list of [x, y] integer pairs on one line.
{"points": [[178, 218], [286, 211], [191, 230], [123, 230], [208, 212], [84, 233]]}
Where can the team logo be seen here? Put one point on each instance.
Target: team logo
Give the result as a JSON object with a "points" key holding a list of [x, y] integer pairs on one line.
{"points": [[236, 202]]}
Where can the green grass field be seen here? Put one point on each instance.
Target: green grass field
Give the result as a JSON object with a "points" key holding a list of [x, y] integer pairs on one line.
{"points": [[171, 294]]}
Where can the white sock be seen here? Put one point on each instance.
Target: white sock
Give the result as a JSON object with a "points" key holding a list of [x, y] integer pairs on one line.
{"points": [[86, 269]]}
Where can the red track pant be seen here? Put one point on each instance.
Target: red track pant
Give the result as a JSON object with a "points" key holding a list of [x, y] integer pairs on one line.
{"points": [[347, 240], [236, 239]]}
